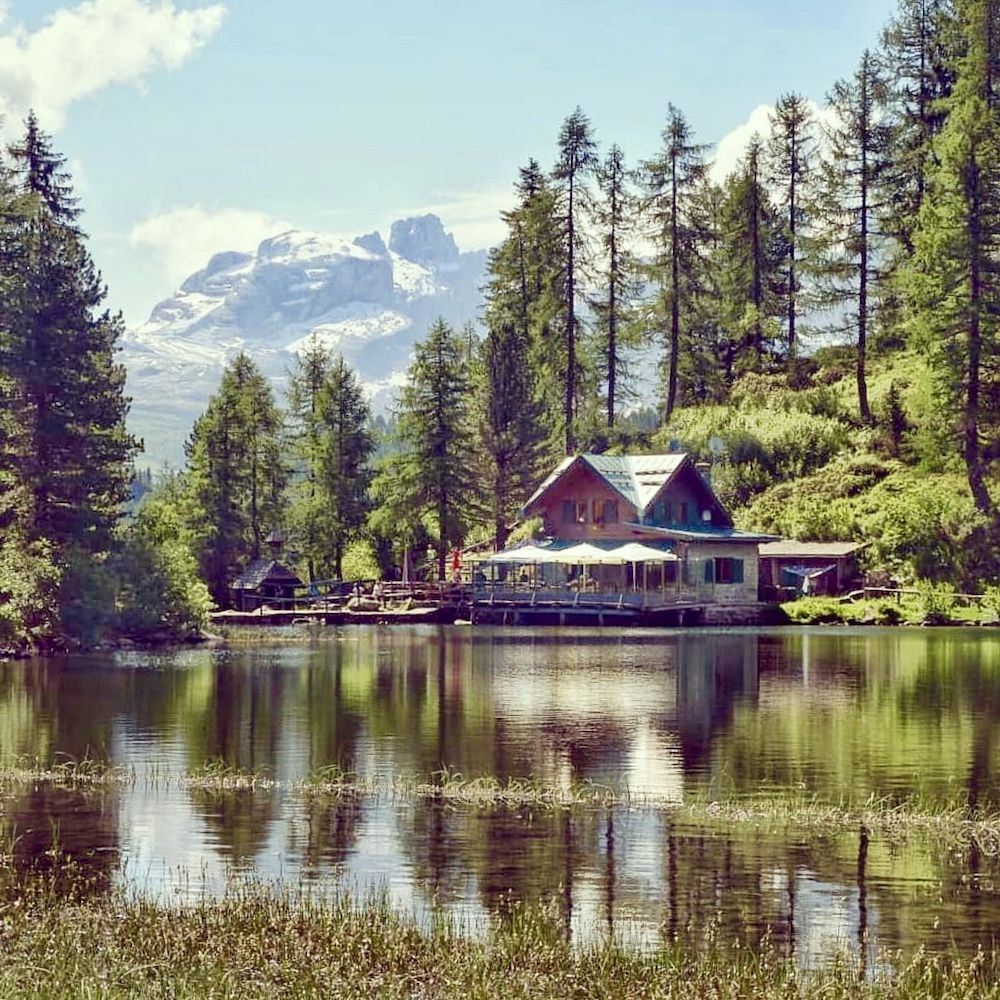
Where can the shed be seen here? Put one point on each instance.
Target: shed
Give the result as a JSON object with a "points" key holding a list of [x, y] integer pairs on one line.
{"points": [[809, 567], [264, 581]]}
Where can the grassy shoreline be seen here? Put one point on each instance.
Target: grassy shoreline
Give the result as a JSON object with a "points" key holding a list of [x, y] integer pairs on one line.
{"points": [[256, 942]]}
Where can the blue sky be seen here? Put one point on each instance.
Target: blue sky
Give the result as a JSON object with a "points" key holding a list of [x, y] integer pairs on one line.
{"points": [[201, 125]]}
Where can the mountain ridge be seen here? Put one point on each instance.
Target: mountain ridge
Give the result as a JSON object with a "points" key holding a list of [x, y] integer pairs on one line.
{"points": [[361, 297]]}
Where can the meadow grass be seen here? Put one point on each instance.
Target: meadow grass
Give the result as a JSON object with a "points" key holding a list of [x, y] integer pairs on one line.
{"points": [[260, 942]]}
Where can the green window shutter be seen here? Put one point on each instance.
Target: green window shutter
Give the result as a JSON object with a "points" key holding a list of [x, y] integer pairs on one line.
{"points": [[709, 571], [567, 511], [737, 571]]}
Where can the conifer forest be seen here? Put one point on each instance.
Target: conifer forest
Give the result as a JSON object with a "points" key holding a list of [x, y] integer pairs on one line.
{"points": [[830, 312]]}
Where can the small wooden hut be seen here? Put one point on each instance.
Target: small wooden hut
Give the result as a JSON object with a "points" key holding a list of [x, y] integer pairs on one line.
{"points": [[265, 581]]}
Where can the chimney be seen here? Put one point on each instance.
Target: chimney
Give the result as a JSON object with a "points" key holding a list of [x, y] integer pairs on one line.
{"points": [[705, 468], [276, 540]]}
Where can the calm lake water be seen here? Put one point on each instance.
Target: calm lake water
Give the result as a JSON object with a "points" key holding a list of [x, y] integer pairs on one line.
{"points": [[835, 714]]}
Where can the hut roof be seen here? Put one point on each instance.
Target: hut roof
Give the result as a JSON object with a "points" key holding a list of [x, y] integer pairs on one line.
{"points": [[790, 549], [262, 571]]}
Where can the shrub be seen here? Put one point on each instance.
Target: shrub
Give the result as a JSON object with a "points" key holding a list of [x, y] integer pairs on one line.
{"points": [[935, 602]]}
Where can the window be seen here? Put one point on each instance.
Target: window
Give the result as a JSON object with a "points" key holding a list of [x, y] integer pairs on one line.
{"points": [[580, 512], [728, 570], [568, 512], [682, 517], [605, 512], [660, 512]]}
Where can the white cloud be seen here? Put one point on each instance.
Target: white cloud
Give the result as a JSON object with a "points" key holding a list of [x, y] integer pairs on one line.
{"points": [[185, 238], [733, 144], [80, 50], [472, 217]]}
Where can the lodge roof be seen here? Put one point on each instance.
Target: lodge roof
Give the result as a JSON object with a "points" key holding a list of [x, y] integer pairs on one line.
{"points": [[790, 549], [262, 571], [637, 478], [700, 534]]}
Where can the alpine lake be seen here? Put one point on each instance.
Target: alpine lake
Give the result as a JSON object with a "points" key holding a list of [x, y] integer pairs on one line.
{"points": [[829, 790]]}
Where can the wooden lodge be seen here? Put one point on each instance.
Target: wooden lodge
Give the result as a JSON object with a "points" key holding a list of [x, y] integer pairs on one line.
{"points": [[632, 537]]}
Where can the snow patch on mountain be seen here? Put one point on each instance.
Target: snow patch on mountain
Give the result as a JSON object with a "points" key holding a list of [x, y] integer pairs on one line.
{"points": [[362, 298]]}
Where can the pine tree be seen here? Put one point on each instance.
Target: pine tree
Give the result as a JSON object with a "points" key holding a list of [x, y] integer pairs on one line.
{"points": [[954, 280], [849, 206], [508, 426], [305, 383], [753, 248], [576, 163], [790, 151], [75, 461], [235, 474], [614, 215], [345, 449], [672, 183], [524, 288], [432, 475]]}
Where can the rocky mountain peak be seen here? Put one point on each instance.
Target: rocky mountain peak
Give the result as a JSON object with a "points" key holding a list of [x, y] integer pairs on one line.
{"points": [[423, 240]]}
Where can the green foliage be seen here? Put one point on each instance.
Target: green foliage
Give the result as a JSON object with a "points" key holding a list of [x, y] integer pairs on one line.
{"points": [[160, 589], [429, 485], [332, 446], [508, 427], [991, 604], [235, 476], [935, 602], [29, 593], [763, 445], [361, 562]]}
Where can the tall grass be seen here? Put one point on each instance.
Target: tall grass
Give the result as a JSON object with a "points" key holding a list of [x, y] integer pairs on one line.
{"points": [[257, 942]]}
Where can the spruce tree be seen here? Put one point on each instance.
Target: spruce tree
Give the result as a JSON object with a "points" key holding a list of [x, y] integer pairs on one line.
{"points": [[524, 286], [576, 163], [306, 506], [672, 181], [953, 282], [753, 248], [432, 475], [345, 449], [235, 475], [59, 362], [507, 426], [849, 205]]}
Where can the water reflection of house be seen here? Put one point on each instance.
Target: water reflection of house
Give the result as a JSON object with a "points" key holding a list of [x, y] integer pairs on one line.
{"points": [[809, 567], [645, 528]]}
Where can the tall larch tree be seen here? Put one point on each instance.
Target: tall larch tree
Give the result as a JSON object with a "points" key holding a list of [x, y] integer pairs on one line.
{"points": [[672, 181], [922, 43], [954, 278], [615, 218], [852, 246], [576, 163], [790, 150]]}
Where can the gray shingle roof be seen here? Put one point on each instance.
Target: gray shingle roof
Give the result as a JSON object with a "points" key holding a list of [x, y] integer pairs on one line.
{"points": [[264, 570], [789, 549], [638, 478]]}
